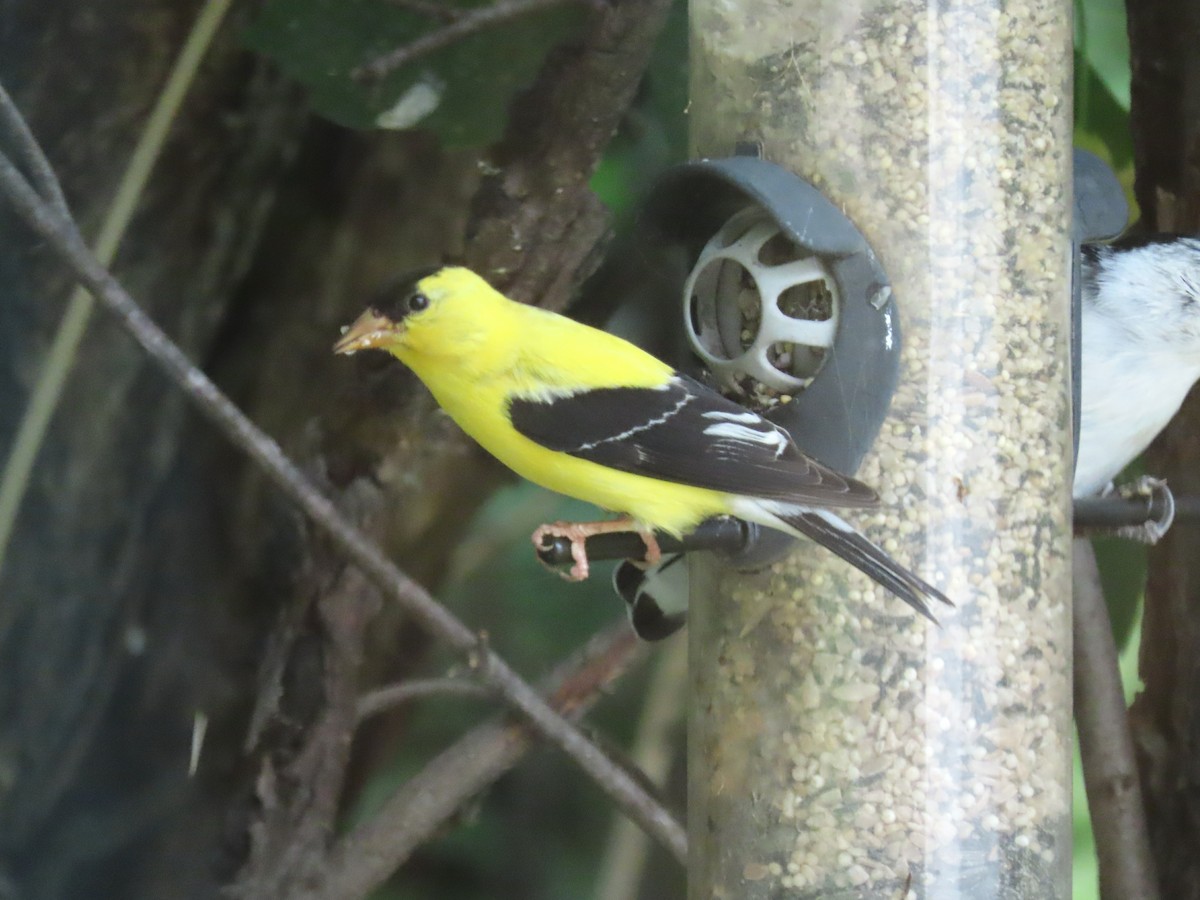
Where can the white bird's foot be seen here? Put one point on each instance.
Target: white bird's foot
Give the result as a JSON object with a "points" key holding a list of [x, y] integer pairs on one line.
{"points": [[1152, 530]]}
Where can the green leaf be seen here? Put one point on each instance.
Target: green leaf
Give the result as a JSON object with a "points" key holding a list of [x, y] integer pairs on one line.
{"points": [[461, 91], [653, 132], [1102, 88], [1102, 39]]}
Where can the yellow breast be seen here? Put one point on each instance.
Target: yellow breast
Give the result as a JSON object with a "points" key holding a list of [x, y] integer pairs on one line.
{"points": [[475, 350], [480, 412]]}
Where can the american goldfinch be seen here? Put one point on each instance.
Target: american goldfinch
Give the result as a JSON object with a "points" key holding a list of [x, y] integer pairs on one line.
{"points": [[587, 414], [1141, 348]]}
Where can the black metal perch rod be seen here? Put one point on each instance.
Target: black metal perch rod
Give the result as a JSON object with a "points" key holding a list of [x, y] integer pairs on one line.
{"points": [[725, 535], [732, 536], [1115, 511]]}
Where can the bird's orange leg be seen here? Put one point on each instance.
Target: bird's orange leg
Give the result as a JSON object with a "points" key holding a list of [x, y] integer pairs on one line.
{"points": [[578, 532]]}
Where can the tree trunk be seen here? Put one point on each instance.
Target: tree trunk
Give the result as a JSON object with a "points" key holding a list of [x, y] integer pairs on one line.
{"points": [[1165, 718], [149, 564]]}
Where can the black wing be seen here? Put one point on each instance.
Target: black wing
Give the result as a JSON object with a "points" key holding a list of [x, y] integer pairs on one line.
{"points": [[686, 433]]}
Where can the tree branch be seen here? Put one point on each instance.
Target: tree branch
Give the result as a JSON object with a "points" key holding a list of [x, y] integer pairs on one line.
{"points": [[1109, 767], [535, 224], [385, 698], [434, 9], [368, 855], [62, 234], [654, 750], [299, 807], [463, 24], [1165, 127], [29, 154]]}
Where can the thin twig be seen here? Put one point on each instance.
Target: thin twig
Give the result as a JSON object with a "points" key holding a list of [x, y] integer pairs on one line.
{"points": [[434, 9], [64, 237], [31, 431], [29, 154], [466, 24], [385, 698], [371, 852], [653, 752], [1110, 769]]}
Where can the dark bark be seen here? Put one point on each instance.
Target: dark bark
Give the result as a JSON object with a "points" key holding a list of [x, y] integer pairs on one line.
{"points": [[106, 591], [1166, 717], [372, 435], [142, 528], [1165, 112], [1105, 744], [536, 226]]}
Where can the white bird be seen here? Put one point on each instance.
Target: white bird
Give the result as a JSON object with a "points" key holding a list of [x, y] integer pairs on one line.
{"points": [[1141, 349]]}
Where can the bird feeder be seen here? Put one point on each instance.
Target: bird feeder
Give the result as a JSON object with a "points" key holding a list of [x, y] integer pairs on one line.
{"points": [[838, 745]]}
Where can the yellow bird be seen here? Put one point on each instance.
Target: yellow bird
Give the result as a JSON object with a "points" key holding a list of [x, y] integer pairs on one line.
{"points": [[587, 414]]}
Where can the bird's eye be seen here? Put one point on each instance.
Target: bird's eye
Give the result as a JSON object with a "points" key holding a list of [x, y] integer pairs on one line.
{"points": [[417, 302]]}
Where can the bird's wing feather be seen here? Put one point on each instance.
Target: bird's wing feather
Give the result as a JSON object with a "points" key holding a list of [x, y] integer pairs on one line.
{"points": [[684, 432]]}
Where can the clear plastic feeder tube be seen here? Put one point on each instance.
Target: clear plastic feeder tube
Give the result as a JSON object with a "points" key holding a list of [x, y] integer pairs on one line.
{"points": [[840, 745]]}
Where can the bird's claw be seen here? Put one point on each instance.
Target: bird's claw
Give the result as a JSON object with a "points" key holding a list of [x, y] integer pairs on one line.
{"points": [[653, 555], [578, 533], [1152, 530], [575, 533]]}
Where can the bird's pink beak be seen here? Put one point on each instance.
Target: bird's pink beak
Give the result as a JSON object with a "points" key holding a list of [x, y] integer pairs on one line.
{"points": [[368, 331]]}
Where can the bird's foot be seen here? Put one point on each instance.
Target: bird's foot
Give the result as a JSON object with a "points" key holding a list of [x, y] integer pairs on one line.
{"points": [[653, 555], [1157, 495], [577, 534]]}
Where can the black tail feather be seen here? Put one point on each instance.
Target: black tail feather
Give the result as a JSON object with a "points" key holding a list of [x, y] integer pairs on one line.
{"points": [[656, 596], [830, 532]]}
